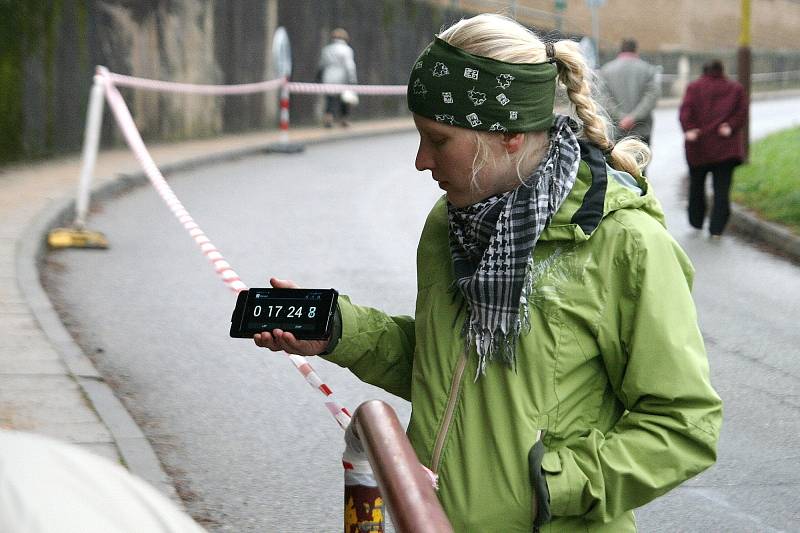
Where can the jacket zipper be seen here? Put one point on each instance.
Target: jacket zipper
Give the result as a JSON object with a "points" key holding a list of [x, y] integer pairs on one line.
{"points": [[448, 412]]}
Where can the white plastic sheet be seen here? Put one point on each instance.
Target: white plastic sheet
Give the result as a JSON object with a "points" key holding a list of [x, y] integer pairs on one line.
{"points": [[47, 486]]}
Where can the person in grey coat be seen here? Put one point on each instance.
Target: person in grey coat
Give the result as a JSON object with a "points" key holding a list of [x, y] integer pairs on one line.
{"points": [[337, 65], [630, 90]]}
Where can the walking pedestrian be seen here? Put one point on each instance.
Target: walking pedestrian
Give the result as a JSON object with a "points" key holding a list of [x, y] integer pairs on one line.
{"points": [[337, 65], [713, 114], [554, 364], [630, 91]]}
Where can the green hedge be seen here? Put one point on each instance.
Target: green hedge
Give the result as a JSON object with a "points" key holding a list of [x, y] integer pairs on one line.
{"points": [[770, 183]]}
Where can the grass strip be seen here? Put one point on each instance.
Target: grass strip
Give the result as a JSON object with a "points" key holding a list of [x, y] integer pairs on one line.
{"points": [[770, 183]]}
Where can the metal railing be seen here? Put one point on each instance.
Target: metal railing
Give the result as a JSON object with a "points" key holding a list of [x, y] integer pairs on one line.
{"points": [[404, 485]]}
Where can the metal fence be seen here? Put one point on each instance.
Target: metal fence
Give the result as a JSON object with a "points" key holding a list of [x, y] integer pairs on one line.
{"points": [[770, 71]]}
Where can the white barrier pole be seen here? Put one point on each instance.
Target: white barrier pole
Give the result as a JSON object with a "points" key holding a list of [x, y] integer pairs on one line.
{"points": [[91, 141]]}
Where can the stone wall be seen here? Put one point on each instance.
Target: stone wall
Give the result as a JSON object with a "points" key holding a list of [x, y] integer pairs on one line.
{"points": [[386, 36], [48, 51], [49, 48], [42, 59]]}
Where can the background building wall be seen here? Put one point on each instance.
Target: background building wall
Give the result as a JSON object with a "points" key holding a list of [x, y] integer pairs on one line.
{"points": [[659, 25]]}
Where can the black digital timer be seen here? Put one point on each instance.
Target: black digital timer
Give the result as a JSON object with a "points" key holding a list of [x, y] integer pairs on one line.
{"points": [[307, 313]]}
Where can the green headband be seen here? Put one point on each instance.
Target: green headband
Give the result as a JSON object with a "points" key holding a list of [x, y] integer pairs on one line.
{"points": [[452, 86]]}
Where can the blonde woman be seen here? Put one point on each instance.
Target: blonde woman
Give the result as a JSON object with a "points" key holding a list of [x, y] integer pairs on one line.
{"points": [[556, 372]]}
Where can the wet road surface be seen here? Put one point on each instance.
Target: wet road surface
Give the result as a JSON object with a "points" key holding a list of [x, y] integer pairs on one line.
{"points": [[250, 444]]}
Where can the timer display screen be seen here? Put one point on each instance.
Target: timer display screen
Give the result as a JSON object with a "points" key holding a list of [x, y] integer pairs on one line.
{"points": [[307, 313]]}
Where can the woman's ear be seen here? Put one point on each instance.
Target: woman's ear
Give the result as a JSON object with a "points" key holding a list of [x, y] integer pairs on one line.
{"points": [[512, 142]]}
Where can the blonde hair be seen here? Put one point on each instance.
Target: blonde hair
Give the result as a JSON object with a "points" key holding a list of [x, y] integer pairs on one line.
{"points": [[499, 37], [340, 33]]}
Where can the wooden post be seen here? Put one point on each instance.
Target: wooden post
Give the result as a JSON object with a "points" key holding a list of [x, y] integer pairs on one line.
{"points": [[406, 489], [744, 67]]}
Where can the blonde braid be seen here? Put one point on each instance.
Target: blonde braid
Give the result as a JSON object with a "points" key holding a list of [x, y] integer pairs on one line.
{"points": [[629, 155], [501, 38]]}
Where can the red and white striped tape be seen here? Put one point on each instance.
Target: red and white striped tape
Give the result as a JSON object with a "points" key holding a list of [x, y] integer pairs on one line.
{"points": [[247, 88], [191, 88], [222, 267], [335, 88]]}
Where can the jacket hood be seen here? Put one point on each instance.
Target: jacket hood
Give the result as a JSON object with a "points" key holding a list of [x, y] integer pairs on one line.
{"points": [[599, 190]]}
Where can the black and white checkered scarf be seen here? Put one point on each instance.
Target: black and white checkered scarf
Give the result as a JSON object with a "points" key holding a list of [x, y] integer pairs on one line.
{"points": [[492, 244]]}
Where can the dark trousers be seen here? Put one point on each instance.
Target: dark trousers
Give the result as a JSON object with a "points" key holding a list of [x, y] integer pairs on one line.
{"points": [[334, 106], [722, 174]]}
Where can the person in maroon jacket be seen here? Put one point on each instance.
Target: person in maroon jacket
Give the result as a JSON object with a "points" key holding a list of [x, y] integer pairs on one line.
{"points": [[713, 115]]}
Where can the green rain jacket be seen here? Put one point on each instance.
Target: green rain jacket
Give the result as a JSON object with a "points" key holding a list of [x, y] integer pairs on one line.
{"points": [[613, 370]]}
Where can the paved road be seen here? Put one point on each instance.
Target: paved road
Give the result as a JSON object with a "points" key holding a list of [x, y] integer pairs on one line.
{"points": [[248, 442]]}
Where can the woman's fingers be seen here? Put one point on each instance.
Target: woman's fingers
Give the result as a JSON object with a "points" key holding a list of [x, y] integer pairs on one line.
{"points": [[292, 345], [278, 340], [283, 283], [283, 341], [266, 340]]}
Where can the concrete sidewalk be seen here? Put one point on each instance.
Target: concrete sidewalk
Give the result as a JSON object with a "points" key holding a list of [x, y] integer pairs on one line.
{"points": [[47, 384]]}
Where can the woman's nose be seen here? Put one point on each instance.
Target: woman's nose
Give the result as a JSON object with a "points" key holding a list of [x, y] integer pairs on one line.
{"points": [[424, 161]]}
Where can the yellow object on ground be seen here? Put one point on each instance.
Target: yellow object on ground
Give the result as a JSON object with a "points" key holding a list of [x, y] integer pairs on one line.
{"points": [[76, 238]]}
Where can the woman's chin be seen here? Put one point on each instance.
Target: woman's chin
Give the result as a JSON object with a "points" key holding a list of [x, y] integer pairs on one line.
{"points": [[457, 200]]}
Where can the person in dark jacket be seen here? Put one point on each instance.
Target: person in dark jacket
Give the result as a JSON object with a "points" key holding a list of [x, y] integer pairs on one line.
{"points": [[713, 114]]}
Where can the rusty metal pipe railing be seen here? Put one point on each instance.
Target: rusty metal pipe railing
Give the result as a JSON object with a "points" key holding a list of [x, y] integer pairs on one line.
{"points": [[405, 487]]}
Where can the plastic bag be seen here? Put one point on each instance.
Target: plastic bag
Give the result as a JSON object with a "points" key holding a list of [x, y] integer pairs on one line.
{"points": [[350, 97]]}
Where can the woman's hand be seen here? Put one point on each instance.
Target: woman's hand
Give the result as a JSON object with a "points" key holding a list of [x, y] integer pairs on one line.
{"points": [[692, 134], [627, 122], [278, 340]]}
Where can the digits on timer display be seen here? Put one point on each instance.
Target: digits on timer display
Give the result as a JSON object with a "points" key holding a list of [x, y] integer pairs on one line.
{"points": [[291, 311]]}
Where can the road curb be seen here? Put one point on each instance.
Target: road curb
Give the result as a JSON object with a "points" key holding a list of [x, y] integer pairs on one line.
{"points": [[746, 223], [133, 446]]}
